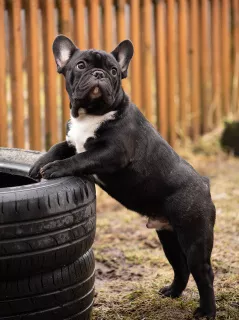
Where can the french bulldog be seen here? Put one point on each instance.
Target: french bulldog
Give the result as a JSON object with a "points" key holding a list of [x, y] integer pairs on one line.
{"points": [[110, 139]]}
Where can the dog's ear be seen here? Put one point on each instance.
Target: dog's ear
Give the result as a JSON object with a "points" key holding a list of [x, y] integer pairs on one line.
{"points": [[63, 49], [123, 53]]}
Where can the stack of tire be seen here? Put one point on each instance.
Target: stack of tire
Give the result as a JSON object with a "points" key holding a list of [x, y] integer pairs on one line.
{"points": [[46, 233]]}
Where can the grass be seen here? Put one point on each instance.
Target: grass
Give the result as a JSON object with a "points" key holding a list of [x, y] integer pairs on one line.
{"points": [[131, 266]]}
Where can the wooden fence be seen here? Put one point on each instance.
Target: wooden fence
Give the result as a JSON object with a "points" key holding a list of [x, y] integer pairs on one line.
{"points": [[184, 75]]}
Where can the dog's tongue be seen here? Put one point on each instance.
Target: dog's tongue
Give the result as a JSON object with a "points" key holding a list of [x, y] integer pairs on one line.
{"points": [[96, 90], [95, 93]]}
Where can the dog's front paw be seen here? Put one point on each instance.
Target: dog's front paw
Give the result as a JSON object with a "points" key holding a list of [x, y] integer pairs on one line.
{"points": [[200, 313], [34, 172], [55, 169]]}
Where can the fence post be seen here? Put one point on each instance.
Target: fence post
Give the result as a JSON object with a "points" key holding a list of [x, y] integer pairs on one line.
{"points": [[120, 16], [94, 24], [64, 6], [216, 80], [135, 64], [17, 74], [33, 74], [204, 63], [108, 25], [183, 73], [147, 75], [51, 128], [3, 75], [171, 69], [195, 96], [79, 23], [235, 70], [121, 31], [161, 74], [225, 49]]}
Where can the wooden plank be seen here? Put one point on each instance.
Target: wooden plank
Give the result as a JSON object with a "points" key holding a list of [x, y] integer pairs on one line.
{"points": [[216, 52], [135, 64], [79, 23], [3, 102], [16, 73], [120, 16], [235, 17], [195, 89], [64, 6], [94, 40], [183, 65], [121, 31], [225, 49], [48, 18], [235, 12], [171, 69], [147, 75], [235, 71], [33, 74], [204, 63], [161, 72], [108, 25]]}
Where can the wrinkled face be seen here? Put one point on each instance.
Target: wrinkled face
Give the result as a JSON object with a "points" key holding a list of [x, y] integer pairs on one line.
{"points": [[93, 77], [92, 81]]}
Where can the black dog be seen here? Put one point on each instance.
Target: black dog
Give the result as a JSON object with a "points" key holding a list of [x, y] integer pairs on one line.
{"points": [[108, 137]]}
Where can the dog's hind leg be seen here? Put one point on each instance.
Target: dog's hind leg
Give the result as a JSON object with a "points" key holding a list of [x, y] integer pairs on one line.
{"points": [[177, 260], [198, 243]]}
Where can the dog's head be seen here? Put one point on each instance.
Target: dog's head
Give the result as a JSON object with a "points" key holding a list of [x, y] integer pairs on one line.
{"points": [[93, 77]]}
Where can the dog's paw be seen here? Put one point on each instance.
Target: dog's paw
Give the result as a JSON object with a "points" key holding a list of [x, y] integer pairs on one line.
{"points": [[55, 169], [200, 313], [34, 172], [169, 291]]}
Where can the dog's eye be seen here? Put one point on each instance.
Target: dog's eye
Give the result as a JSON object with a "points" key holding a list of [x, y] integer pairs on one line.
{"points": [[114, 71], [81, 65]]}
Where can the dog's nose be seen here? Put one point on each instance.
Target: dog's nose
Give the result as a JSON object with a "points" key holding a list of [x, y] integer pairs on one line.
{"points": [[98, 74]]}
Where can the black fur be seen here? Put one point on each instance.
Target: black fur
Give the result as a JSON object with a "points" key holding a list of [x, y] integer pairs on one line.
{"points": [[138, 168]]}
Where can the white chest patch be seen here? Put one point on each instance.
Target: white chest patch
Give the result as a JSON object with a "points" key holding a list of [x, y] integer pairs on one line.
{"points": [[84, 127]]}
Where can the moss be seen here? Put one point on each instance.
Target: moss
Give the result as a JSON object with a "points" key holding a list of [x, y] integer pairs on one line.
{"points": [[230, 137]]}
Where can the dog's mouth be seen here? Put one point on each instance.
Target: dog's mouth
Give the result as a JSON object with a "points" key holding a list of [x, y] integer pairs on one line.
{"points": [[94, 90], [95, 97], [95, 93]]}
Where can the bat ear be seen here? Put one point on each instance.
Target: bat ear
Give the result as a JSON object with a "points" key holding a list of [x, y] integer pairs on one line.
{"points": [[123, 53], [63, 49]]}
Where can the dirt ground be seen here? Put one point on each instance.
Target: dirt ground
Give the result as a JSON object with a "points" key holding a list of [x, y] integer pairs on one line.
{"points": [[131, 266]]}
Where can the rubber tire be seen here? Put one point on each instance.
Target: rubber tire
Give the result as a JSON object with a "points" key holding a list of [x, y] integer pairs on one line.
{"points": [[51, 296], [45, 225]]}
